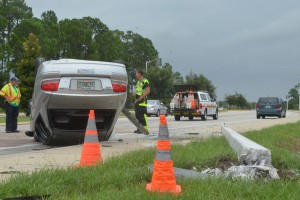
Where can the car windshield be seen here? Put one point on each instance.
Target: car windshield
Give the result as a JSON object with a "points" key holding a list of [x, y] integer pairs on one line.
{"points": [[150, 102], [268, 100]]}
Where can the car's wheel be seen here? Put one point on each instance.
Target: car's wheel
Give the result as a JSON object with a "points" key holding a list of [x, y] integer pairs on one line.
{"points": [[41, 132], [191, 117], [157, 113], [263, 117], [284, 115], [177, 117], [257, 116], [215, 116], [279, 116], [204, 116], [148, 115]]}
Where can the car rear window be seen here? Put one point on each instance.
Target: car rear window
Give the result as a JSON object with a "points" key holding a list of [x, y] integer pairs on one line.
{"points": [[150, 102], [268, 100]]}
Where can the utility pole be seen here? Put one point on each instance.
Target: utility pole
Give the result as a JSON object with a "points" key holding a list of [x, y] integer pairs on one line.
{"points": [[147, 62]]}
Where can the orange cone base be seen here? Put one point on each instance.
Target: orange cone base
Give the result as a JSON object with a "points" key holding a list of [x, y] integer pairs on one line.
{"points": [[163, 178], [90, 154], [173, 190]]}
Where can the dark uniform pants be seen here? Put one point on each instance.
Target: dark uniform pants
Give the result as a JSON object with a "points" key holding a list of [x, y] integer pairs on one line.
{"points": [[12, 114], [140, 114]]}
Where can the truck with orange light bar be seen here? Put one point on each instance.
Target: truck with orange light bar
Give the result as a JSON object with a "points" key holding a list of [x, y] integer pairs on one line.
{"points": [[66, 90], [193, 104]]}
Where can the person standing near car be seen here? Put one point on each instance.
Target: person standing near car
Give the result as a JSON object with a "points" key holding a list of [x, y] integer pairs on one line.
{"points": [[12, 95], [142, 91]]}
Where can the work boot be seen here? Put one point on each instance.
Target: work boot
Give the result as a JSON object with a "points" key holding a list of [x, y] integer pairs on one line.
{"points": [[29, 133]]}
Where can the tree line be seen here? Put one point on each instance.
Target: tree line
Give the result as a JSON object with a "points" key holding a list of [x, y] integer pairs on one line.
{"points": [[23, 38]]}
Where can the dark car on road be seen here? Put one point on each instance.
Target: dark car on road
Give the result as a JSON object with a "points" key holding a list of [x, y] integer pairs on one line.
{"points": [[270, 106]]}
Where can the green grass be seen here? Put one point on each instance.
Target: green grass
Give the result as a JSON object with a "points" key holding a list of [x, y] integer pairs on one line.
{"points": [[126, 176], [20, 119]]}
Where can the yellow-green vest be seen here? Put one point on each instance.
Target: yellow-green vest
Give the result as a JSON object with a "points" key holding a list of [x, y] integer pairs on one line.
{"points": [[9, 91], [140, 91]]}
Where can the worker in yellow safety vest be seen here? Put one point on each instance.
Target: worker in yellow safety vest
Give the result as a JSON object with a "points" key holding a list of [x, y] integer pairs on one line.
{"points": [[12, 95], [142, 91]]}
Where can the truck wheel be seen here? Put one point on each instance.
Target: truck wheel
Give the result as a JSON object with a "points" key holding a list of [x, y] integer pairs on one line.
{"points": [[215, 116], [204, 116], [158, 113], [257, 116], [191, 118], [177, 117]]}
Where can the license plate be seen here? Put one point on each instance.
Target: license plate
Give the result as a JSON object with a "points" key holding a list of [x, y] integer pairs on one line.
{"points": [[268, 106], [85, 85]]}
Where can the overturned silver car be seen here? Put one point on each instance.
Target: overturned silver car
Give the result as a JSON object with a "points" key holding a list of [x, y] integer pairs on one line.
{"points": [[66, 90]]}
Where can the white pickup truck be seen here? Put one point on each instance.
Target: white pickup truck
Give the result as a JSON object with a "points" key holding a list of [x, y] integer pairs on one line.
{"points": [[193, 104]]}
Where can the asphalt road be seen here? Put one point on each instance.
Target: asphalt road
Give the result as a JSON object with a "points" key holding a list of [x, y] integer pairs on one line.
{"points": [[19, 153], [238, 120]]}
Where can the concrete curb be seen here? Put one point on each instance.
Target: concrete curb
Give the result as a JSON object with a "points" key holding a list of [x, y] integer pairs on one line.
{"points": [[249, 152]]}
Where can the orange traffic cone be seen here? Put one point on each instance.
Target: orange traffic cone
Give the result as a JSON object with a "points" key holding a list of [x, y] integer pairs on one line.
{"points": [[163, 178], [90, 154]]}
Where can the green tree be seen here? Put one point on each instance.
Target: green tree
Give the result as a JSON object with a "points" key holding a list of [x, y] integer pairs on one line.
{"points": [[20, 34], [12, 12], [293, 97], [50, 36], [25, 69], [75, 39], [161, 83], [177, 79], [237, 100], [138, 50], [202, 82]]}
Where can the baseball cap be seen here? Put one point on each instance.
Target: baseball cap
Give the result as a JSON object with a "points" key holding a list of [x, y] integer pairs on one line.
{"points": [[14, 79]]}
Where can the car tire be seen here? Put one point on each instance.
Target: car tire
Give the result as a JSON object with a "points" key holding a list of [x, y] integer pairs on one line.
{"points": [[257, 116], [204, 116], [215, 116], [263, 117], [157, 113], [191, 118], [177, 117], [41, 132]]}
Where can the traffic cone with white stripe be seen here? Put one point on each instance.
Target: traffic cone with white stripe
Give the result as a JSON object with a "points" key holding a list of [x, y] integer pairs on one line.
{"points": [[163, 178], [91, 154]]}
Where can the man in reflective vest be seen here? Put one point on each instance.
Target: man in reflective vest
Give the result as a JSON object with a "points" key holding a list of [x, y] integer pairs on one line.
{"points": [[12, 95], [142, 91]]}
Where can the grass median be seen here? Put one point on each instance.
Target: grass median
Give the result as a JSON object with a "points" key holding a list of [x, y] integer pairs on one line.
{"points": [[126, 176], [20, 119]]}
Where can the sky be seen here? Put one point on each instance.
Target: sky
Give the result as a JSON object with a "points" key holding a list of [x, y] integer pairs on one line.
{"points": [[247, 46]]}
